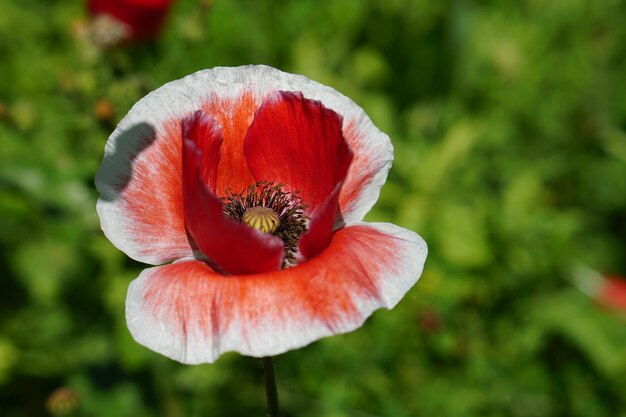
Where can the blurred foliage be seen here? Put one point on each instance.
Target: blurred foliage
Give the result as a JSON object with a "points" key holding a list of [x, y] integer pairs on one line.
{"points": [[509, 122]]}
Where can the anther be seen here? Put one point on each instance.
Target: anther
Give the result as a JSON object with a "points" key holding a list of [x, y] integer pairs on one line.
{"points": [[261, 218], [266, 207]]}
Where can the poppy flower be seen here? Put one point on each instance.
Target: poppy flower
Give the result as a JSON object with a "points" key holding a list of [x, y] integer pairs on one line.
{"points": [[248, 187], [135, 20]]}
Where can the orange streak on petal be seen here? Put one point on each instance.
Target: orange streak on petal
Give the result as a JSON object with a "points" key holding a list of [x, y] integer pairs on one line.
{"points": [[343, 275], [153, 195], [234, 116]]}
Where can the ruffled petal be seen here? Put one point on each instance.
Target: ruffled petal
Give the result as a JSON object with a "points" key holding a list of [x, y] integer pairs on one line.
{"points": [[232, 95], [205, 140], [373, 152], [231, 246], [299, 143], [319, 233], [191, 314], [140, 184], [140, 179]]}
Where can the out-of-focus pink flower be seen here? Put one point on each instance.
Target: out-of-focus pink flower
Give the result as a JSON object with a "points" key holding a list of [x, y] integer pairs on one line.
{"points": [[130, 20], [255, 182]]}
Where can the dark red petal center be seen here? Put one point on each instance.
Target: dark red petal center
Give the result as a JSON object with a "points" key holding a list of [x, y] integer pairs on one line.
{"points": [[231, 247], [299, 142]]}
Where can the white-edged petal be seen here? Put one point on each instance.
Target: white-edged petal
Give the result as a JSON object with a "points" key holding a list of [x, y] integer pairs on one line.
{"points": [[191, 314]]}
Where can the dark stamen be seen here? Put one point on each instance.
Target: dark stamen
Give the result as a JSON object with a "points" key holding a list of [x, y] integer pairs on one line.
{"points": [[288, 207]]}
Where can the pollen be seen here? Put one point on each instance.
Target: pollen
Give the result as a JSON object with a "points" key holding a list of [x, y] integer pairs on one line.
{"points": [[265, 206], [261, 218]]}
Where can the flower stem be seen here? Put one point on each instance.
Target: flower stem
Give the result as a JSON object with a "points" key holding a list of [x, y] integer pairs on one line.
{"points": [[270, 387]]}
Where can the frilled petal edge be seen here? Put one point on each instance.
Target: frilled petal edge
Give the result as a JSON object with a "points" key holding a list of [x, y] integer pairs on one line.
{"points": [[191, 314], [140, 185]]}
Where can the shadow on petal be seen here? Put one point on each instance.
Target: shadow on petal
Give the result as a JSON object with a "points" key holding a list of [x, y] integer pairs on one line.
{"points": [[116, 169]]}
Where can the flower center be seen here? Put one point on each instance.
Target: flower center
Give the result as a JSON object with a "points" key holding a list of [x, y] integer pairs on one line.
{"points": [[266, 207], [261, 218]]}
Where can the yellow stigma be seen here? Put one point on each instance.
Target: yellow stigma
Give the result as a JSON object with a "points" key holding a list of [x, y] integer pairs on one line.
{"points": [[261, 218]]}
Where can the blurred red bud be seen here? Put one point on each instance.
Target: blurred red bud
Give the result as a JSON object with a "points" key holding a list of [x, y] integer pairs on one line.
{"points": [[613, 293], [143, 18], [609, 291]]}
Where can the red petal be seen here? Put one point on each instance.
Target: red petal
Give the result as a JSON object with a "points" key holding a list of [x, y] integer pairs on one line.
{"points": [[231, 246], [299, 143], [234, 115], [318, 236], [205, 136], [144, 17], [613, 294], [141, 201], [191, 314]]}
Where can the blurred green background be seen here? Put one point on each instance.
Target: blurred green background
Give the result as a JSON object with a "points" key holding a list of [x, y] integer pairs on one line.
{"points": [[509, 123]]}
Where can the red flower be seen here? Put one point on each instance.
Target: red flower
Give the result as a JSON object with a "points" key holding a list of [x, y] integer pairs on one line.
{"points": [[141, 19], [612, 293], [193, 175], [609, 291]]}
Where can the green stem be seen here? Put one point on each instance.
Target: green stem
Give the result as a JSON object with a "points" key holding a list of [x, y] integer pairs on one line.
{"points": [[270, 387]]}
